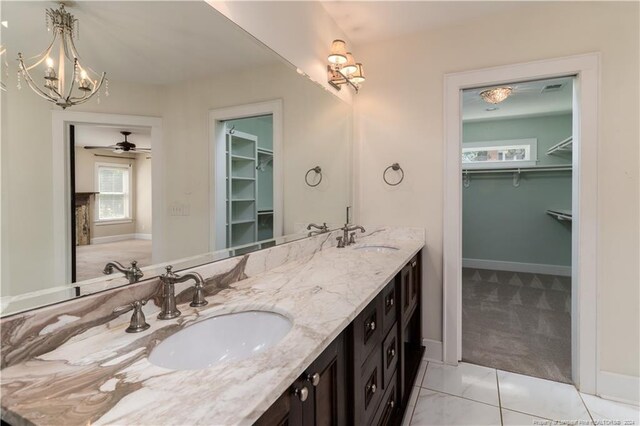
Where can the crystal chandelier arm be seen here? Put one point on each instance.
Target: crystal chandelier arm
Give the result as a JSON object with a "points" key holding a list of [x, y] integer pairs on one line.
{"points": [[32, 84]]}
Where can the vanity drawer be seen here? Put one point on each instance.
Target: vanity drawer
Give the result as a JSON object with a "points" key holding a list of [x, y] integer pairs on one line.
{"points": [[389, 408], [390, 355], [389, 305], [370, 391], [367, 330]]}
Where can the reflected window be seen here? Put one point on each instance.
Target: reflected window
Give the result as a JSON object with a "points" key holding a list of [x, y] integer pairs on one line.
{"points": [[499, 154], [114, 192]]}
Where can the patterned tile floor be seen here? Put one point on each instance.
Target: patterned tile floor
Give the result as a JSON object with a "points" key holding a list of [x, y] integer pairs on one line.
{"points": [[517, 322], [473, 395]]}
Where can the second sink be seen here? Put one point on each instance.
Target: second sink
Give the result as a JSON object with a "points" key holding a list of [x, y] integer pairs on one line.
{"points": [[229, 337]]}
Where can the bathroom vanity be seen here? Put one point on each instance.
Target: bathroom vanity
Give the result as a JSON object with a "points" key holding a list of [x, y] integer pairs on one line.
{"points": [[349, 357], [366, 374]]}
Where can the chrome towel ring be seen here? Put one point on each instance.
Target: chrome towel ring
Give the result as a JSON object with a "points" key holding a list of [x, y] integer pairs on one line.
{"points": [[394, 167], [318, 171]]}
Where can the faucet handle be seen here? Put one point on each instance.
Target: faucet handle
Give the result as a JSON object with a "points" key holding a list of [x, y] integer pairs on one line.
{"points": [[134, 271], [340, 242], [352, 239], [138, 321], [198, 297]]}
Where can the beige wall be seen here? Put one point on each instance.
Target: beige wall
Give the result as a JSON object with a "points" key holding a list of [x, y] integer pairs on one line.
{"points": [[27, 195], [400, 118], [317, 128]]}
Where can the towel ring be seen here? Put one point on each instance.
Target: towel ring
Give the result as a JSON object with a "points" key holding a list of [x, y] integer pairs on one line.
{"points": [[395, 167], [318, 171]]}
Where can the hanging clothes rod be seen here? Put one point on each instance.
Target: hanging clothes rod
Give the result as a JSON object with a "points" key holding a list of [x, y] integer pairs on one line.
{"points": [[563, 167]]}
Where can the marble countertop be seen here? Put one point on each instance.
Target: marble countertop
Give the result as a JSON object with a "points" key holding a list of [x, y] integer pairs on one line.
{"points": [[103, 376]]}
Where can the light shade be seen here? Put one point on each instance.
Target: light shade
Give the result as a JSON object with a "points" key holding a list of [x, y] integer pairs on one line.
{"points": [[496, 95], [338, 53], [358, 76], [350, 66]]}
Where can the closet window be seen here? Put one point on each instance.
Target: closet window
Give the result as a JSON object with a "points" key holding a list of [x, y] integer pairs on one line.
{"points": [[113, 201], [500, 154]]}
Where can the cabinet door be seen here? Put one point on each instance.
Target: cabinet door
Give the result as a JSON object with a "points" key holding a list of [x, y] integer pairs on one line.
{"points": [[327, 379], [286, 411]]}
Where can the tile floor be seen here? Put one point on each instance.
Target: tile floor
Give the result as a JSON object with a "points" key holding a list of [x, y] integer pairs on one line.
{"points": [[473, 395]]}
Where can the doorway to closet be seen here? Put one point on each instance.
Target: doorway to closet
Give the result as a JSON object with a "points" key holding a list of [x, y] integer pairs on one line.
{"points": [[516, 157]]}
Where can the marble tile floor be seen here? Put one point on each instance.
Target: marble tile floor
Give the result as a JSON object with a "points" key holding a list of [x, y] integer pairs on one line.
{"points": [[517, 322], [474, 395]]}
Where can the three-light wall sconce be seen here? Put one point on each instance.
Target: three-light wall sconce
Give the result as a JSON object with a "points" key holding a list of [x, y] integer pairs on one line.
{"points": [[343, 68]]}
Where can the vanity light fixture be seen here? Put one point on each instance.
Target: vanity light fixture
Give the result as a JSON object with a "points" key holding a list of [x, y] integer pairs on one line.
{"points": [[496, 95], [83, 82], [343, 68]]}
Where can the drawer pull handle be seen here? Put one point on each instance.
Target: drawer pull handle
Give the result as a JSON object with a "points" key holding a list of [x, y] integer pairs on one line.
{"points": [[392, 403], [372, 388], [390, 302], [392, 353], [302, 394], [314, 379], [371, 326]]}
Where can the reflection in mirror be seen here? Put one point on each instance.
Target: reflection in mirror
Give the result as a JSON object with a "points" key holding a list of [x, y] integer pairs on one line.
{"points": [[199, 151]]}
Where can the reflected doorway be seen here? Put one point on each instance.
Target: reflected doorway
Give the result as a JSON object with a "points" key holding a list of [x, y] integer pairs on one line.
{"points": [[110, 197]]}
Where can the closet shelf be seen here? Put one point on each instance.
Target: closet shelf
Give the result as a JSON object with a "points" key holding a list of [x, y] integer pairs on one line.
{"points": [[561, 215], [242, 157], [565, 145]]}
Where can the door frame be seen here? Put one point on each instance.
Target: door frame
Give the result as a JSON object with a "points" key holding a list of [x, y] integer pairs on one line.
{"points": [[61, 182], [217, 195], [584, 331]]}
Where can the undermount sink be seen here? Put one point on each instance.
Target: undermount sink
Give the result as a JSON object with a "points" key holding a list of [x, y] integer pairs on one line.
{"points": [[376, 248], [229, 337]]}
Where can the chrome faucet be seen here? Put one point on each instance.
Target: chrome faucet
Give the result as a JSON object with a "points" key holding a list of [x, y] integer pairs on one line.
{"points": [[133, 273], [169, 279], [321, 229], [138, 322], [344, 240]]}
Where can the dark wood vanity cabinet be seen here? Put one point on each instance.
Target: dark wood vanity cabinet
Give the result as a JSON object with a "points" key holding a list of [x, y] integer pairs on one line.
{"points": [[365, 376]]}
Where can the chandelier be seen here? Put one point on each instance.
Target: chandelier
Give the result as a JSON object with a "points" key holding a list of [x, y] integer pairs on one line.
{"points": [[83, 82], [496, 95]]}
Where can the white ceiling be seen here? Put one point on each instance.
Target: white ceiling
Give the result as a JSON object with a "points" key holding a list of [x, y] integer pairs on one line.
{"points": [[369, 21], [103, 135], [156, 42], [526, 99]]}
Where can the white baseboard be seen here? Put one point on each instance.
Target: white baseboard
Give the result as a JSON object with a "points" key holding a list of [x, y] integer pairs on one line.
{"points": [[619, 387], [433, 351], [534, 268], [121, 237]]}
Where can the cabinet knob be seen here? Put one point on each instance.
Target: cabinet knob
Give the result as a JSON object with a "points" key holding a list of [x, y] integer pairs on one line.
{"points": [[302, 394], [392, 353], [371, 326], [314, 379], [413, 264], [373, 388], [390, 302], [392, 403]]}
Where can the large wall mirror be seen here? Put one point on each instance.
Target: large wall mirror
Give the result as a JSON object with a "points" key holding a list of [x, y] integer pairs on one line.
{"points": [[207, 145]]}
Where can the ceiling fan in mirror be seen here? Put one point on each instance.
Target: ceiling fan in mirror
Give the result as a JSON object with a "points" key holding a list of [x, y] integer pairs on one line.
{"points": [[124, 146]]}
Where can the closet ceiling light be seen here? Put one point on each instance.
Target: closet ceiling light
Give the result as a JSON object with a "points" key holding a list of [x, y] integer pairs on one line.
{"points": [[343, 68], [496, 95]]}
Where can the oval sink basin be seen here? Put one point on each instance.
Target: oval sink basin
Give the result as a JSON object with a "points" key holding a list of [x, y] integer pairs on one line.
{"points": [[229, 337], [376, 249]]}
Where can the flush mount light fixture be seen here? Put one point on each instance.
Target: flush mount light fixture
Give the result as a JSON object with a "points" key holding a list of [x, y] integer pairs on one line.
{"points": [[343, 68], [496, 95], [83, 82]]}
